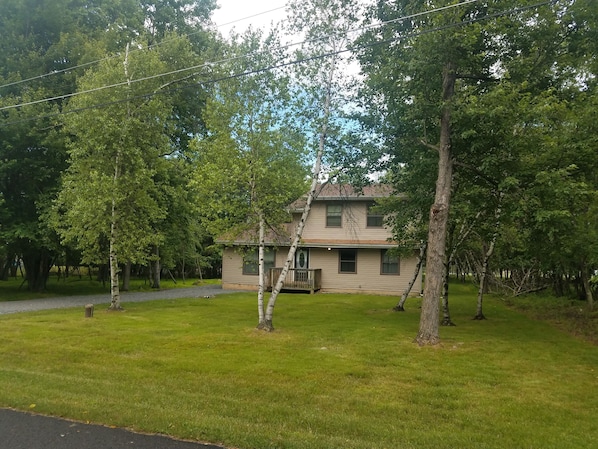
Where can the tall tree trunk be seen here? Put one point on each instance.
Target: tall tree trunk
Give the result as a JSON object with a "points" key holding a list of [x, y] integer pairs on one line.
{"points": [[446, 314], [400, 307], [268, 326], [481, 288], [4, 268], [156, 269], [37, 264], [429, 324], [261, 273], [486, 262], [127, 277], [114, 268], [585, 277]]}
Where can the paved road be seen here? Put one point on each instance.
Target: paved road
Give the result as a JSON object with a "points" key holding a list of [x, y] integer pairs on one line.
{"points": [[74, 301], [20, 430]]}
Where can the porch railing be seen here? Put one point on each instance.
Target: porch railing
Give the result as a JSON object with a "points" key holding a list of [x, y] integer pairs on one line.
{"points": [[298, 279]]}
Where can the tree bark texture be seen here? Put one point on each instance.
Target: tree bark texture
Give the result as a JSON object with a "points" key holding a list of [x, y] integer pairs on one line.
{"points": [[261, 273], [400, 307], [114, 287], [114, 269], [156, 268], [446, 314], [486, 262], [37, 264], [585, 277], [439, 212]]}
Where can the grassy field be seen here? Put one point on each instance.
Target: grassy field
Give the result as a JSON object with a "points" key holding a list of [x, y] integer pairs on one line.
{"points": [[340, 371]]}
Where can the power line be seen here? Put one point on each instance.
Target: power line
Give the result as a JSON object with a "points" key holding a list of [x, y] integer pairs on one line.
{"points": [[211, 64], [107, 58], [251, 17], [294, 62]]}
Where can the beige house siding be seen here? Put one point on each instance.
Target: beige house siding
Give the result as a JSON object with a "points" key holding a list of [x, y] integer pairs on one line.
{"points": [[368, 278], [353, 224], [232, 270], [325, 242]]}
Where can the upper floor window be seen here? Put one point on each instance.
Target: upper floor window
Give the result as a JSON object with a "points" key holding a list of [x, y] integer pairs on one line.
{"points": [[347, 261], [375, 219], [334, 214], [251, 261], [389, 263]]}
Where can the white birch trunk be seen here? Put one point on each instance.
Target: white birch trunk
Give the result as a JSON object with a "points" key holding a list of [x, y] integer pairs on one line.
{"points": [[464, 232], [114, 287], [114, 269], [268, 326], [261, 272], [400, 307], [293, 249]]}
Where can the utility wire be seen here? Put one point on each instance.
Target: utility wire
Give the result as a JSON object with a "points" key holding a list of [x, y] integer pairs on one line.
{"points": [[211, 64], [107, 58], [294, 62], [400, 19]]}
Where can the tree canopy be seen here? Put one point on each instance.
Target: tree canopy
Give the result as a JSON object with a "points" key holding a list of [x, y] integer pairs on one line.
{"points": [[121, 122]]}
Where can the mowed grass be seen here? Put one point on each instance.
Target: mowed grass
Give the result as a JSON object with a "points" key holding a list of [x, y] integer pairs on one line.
{"points": [[340, 371]]}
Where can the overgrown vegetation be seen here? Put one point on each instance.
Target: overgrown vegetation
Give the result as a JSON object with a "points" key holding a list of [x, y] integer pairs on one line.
{"points": [[341, 371], [569, 315]]}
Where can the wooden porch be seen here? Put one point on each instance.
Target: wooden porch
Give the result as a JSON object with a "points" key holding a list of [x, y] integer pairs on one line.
{"points": [[306, 280]]}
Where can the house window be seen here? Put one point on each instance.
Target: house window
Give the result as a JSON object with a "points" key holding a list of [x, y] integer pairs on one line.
{"points": [[375, 219], [347, 261], [251, 261], [389, 263], [334, 214]]}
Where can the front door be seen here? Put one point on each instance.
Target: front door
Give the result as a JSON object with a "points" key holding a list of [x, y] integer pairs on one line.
{"points": [[301, 265], [302, 259]]}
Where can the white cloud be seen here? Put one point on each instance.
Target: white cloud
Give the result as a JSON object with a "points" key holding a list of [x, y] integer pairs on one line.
{"points": [[240, 14]]}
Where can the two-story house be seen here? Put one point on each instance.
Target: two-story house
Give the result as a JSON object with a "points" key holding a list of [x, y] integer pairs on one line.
{"points": [[344, 248]]}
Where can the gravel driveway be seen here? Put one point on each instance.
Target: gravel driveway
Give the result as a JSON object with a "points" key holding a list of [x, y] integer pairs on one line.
{"points": [[30, 305]]}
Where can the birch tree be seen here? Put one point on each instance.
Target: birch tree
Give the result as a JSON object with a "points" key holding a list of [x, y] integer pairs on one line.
{"points": [[325, 25], [251, 165], [109, 204]]}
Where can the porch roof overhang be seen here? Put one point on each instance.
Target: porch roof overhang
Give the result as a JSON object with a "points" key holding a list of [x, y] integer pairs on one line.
{"points": [[342, 244], [321, 243]]}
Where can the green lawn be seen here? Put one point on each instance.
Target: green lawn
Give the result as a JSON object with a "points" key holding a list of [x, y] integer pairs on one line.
{"points": [[340, 371], [15, 289]]}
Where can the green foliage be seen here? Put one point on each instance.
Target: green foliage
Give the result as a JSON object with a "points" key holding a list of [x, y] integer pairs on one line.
{"points": [[40, 40], [119, 139], [31, 161], [519, 128], [252, 160]]}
